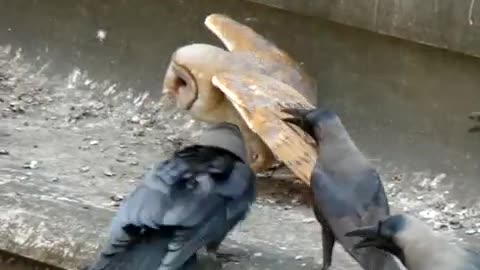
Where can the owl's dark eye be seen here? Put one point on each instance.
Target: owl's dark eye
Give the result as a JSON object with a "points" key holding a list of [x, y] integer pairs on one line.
{"points": [[191, 183]]}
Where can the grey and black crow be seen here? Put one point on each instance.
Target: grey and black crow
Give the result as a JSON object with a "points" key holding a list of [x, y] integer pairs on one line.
{"points": [[416, 245], [347, 190], [190, 201]]}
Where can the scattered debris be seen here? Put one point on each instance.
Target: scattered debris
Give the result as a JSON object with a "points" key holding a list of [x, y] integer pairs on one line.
{"points": [[16, 108]]}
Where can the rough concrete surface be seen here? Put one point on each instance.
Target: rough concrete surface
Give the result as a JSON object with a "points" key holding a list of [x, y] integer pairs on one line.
{"points": [[72, 147], [413, 99], [450, 24]]}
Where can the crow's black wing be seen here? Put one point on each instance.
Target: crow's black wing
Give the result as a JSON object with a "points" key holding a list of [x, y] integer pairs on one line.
{"points": [[349, 204]]}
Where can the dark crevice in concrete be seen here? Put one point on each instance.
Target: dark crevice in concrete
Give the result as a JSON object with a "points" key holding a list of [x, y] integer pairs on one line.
{"points": [[11, 261]]}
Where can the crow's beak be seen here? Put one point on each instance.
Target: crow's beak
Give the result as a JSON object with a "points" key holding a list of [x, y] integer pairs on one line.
{"points": [[298, 118]]}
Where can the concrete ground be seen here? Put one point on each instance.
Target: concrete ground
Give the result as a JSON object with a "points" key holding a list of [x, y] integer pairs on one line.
{"points": [[71, 148], [405, 104]]}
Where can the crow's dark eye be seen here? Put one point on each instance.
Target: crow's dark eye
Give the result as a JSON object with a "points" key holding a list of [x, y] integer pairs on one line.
{"points": [[191, 183]]}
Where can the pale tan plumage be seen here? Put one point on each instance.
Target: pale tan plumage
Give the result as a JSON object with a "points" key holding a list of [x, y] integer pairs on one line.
{"points": [[189, 80], [259, 99]]}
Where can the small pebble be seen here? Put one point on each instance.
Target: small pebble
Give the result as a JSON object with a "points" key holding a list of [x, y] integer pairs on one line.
{"points": [[298, 257], [470, 232], [31, 165], [270, 201], [121, 160], [455, 225], [134, 163], [439, 226], [308, 220], [428, 213], [116, 198], [128, 154], [454, 222], [55, 179], [114, 204], [139, 133], [4, 152], [84, 169], [23, 177], [135, 119], [108, 172], [258, 254], [94, 142], [439, 178], [397, 177]]}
